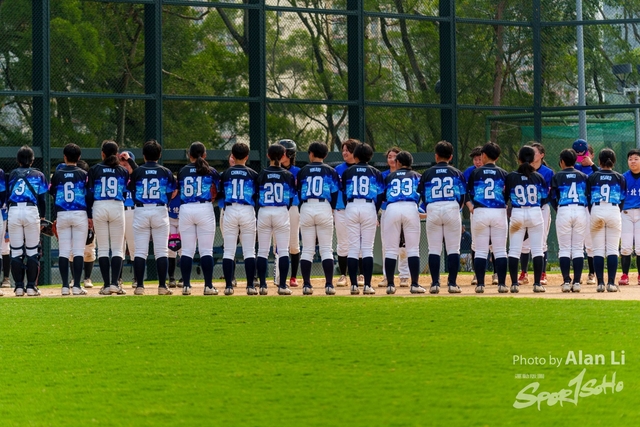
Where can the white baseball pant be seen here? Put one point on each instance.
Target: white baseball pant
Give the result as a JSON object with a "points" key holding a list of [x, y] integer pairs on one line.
{"points": [[273, 221], [197, 227], [405, 216], [150, 221], [108, 223], [72, 228], [316, 222], [129, 236], [571, 227], [630, 232], [342, 234], [490, 224], [361, 221], [239, 220], [526, 219], [403, 262], [443, 223], [606, 226], [24, 229]]}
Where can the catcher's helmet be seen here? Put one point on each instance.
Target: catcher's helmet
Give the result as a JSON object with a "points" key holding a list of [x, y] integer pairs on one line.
{"points": [[90, 236], [290, 146], [175, 243]]}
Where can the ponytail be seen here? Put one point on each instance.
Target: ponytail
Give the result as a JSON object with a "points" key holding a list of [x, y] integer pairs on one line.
{"points": [[110, 150], [526, 156], [275, 153], [526, 169], [197, 151]]}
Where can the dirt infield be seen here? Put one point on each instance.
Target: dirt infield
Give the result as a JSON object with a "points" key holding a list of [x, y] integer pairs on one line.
{"points": [[631, 292]]}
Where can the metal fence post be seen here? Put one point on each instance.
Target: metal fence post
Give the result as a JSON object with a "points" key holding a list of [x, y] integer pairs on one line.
{"points": [[153, 70], [257, 80], [355, 65], [448, 78]]}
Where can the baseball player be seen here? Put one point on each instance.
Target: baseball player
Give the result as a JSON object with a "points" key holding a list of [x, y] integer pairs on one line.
{"points": [[527, 191], [197, 222], [476, 157], [401, 213], [26, 200], [239, 192], [569, 198], [362, 192], [276, 188], [403, 265], [605, 191], [152, 186], [174, 232], [68, 187], [318, 185], [339, 220], [443, 190], [6, 249], [631, 217], [105, 197], [128, 161], [232, 162], [488, 206]]}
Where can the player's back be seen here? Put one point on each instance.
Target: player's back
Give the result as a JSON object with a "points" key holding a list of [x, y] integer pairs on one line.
{"points": [[238, 185], [276, 187]]}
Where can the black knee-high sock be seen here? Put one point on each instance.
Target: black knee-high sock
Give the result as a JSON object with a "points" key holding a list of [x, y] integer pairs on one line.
{"points": [[63, 264], [612, 268], [186, 264], [261, 268], [172, 268], [294, 259], [625, 260], [360, 267], [434, 268], [283, 270], [233, 269], [6, 265], [524, 262], [598, 266], [33, 269], [565, 269], [513, 269], [473, 256], [116, 268], [250, 270], [592, 268], [480, 267], [637, 263], [228, 268], [88, 268], [493, 261], [342, 265], [453, 262], [327, 267], [76, 270], [367, 270], [352, 268], [207, 264], [139, 265], [578, 265], [414, 269], [103, 263], [538, 266], [162, 264], [305, 270], [500, 268], [389, 269]]}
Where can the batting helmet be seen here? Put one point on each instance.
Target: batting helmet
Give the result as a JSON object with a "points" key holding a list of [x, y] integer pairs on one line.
{"points": [[290, 148], [175, 243]]}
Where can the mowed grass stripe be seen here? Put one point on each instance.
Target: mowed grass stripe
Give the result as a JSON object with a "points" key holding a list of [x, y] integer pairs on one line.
{"points": [[315, 361]]}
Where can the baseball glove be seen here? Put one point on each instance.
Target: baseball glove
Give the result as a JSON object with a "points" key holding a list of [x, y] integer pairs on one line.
{"points": [[46, 228], [90, 236]]}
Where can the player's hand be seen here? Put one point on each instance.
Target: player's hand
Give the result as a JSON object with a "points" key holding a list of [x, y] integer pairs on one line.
{"points": [[587, 161], [90, 223], [41, 224], [124, 156]]}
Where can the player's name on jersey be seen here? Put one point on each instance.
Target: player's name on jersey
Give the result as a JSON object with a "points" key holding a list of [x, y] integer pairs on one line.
{"points": [[441, 170], [605, 177], [361, 169], [109, 170], [68, 175], [151, 172], [490, 171], [314, 169], [238, 172], [274, 176]]}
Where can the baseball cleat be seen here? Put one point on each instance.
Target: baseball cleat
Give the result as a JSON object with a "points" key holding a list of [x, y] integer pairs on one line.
{"points": [[19, 292], [293, 282], [78, 291], [600, 287], [6, 283], [360, 280], [252, 290], [256, 282], [502, 289], [543, 279], [494, 279], [307, 290], [284, 290], [383, 283], [592, 279], [575, 287], [479, 289], [538, 288], [404, 282], [342, 281], [209, 290], [186, 290], [234, 282], [66, 291], [115, 289], [434, 289], [329, 290], [104, 290], [172, 282], [624, 280], [263, 290], [355, 290], [33, 292], [417, 289], [474, 281], [523, 279], [164, 291], [611, 287], [139, 290], [391, 290], [88, 283], [515, 289], [567, 287], [453, 288], [368, 290], [228, 290], [134, 284]]}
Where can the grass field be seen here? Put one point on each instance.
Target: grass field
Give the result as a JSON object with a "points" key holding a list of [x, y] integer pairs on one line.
{"points": [[389, 361]]}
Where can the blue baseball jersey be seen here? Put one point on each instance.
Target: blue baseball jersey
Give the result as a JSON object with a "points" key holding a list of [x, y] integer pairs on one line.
{"points": [[362, 181], [196, 188], [442, 183], [340, 169], [587, 170], [632, 196], [486, 187], [174, 207], [569, 187], [547, 173], [467, 172], [19, 190], [107, 182], [402, 186], [606, 186], [152, 183], [69, 187], [526, 191], [294, 171], [276, 187], [238, 185], [128, 199], [318, 181]]}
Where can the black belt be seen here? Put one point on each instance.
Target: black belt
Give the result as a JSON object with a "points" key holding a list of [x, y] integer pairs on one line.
{"points": [[21, 203], [571, 204], [367, 200], [129, 208], [612, 204], [142, 205]]}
